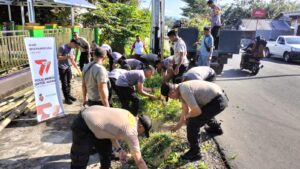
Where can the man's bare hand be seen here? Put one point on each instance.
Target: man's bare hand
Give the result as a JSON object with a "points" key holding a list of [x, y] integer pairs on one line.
{"points": [[84, 103], [154, 98], [174, 128]]}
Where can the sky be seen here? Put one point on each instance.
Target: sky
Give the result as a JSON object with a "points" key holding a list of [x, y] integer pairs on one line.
{"points": [[173, 6]]}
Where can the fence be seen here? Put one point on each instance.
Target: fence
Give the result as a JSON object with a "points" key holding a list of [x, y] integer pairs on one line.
{"points": [[12, 46], [61, 36], [87, 33], [12, 49]]}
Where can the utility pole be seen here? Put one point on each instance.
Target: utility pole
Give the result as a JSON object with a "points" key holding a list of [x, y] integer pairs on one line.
{"points": [[157, 26]]}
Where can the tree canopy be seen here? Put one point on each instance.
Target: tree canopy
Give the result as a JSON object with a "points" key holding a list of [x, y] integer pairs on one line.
{"points": [[242, 9], [119, 22], [195, 8], [239, 9]]}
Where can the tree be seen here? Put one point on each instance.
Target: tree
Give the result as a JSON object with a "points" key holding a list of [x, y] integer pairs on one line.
{"points": [[169, 21], [195, 8], [119, 22], [242, 9]]}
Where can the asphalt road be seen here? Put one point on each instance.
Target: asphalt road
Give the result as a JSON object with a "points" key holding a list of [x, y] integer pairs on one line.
{"points": [[262, 123], [13, 82]]}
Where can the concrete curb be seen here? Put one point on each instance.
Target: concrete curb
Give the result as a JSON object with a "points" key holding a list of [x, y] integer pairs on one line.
{"points": [[223, 154]]}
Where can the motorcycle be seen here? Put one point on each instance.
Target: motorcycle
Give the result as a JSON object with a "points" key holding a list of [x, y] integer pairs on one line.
{"points": [[250, 63]]}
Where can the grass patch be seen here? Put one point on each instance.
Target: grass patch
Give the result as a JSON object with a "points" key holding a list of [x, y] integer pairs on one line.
{"points": [[159, 109]]}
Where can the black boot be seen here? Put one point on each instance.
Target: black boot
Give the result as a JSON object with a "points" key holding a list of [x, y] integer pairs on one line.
{"points": [[192, 155], [213, 127], [72, 98], [68, 101]]}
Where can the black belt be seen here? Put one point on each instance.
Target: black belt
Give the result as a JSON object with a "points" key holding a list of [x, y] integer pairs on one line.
{"points": [[92, 103]]}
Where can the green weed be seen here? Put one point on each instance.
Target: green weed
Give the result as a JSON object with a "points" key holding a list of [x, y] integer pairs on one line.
{"points": [[206, 147], [232, 157]]}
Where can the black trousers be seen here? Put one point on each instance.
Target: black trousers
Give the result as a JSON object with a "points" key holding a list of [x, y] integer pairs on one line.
{"points": [[211, 78], [178, 78], [93, 103], [111, 61], [110, 90], [83, 142], [137, 56], [128, 99], [65, 76], [215, 32], [144, 61], [214, 107], [84, 59]]}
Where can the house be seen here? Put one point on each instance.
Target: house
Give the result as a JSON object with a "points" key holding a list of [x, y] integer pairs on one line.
{"points": [[267, 28], [293, 18]]}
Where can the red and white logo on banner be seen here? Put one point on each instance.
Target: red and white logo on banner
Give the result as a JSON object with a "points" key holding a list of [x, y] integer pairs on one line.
{"points": [[45, 66], [45, 77]]}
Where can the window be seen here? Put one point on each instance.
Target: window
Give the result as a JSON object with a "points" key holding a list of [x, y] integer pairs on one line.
{"points": [[280, 41], [293, 40]]}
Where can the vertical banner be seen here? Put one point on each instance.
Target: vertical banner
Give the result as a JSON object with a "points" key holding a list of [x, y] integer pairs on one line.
{"points": [[41, 53]]}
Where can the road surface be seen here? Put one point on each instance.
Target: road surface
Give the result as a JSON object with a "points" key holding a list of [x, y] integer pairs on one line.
{"points": [[262, 123], [15, 81]]}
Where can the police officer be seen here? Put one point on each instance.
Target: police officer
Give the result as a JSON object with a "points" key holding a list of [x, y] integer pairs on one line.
{"points": [[201, 101], [102, 127]]}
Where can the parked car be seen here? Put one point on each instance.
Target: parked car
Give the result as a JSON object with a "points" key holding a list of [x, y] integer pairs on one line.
{"points": [[285, 47]]}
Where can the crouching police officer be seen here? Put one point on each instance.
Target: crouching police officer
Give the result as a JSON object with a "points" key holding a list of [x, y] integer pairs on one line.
{"points": [[201, 101], [101, 127]]}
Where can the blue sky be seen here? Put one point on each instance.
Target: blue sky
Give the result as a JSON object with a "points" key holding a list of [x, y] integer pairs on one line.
{"points": [[173, 6]]}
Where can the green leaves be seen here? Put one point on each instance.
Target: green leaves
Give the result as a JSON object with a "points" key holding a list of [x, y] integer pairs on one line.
{"points": [[234, 12], [120, 21], [196, 8], [157, 148]]}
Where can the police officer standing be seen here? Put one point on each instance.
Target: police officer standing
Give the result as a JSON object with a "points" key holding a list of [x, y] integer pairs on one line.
{"points": [[180, 61], [95, 80]]}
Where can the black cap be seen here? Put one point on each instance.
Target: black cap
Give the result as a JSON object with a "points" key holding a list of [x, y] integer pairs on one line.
{"points": [[172, 33], [75, 41], [147, 124], [165, 89], [210, 2], [206, 28]]}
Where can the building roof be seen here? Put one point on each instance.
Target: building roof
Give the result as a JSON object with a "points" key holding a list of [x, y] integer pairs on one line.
{"points": [[51, 3], [264, 24], [291, 14]]}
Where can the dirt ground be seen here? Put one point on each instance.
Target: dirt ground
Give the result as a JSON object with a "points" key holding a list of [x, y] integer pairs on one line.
{"points": [[26, 144]]}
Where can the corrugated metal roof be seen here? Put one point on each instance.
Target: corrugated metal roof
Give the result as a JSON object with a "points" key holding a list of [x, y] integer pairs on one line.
{"points": [[253, 24], [5, 2], [77, 3], [51, 3], [292, 13], [263, 24], [280, 25]]}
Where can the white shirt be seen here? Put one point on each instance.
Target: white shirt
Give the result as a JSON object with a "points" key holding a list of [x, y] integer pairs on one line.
{"points": [[179, 47], [138, 47]]}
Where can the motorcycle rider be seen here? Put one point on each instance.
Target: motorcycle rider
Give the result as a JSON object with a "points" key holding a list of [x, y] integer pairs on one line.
{"points": [[254, 49]]}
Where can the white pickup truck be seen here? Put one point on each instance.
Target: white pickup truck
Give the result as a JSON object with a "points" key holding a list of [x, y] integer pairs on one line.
{"points": [[285, 47]]}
